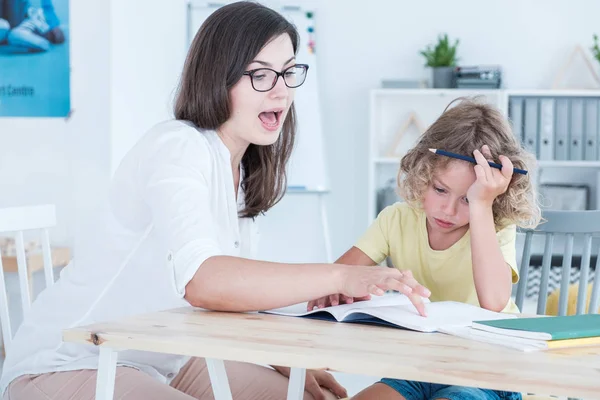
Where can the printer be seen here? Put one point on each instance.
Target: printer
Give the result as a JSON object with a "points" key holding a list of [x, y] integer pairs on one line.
{"points": [[478, 77]]}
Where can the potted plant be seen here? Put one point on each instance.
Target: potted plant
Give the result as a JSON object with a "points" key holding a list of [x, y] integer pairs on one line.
{"points": [[442, 59], [595, 49]]}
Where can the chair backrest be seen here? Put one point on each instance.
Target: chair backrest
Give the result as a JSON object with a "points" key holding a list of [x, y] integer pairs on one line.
{"points": [[583, 225], [17, 220]]}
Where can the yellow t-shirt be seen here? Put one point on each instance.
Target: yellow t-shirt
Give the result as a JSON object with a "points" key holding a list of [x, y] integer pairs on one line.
{"points": [[400, 232]]}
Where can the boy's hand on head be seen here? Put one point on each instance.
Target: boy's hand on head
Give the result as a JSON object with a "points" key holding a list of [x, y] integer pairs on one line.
{"points": [[490, 182]]}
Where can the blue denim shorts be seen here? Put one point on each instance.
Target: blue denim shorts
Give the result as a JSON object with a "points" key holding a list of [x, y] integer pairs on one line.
{"points": [[413, 390]]}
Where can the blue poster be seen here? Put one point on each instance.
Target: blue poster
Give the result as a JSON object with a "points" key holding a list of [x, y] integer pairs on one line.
{"points": [[34, 58]]}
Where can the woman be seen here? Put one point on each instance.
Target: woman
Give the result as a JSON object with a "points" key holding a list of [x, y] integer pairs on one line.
{"points": [[181, 228]]}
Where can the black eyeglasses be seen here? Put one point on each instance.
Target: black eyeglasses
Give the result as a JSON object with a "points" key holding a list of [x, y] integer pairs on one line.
{"points": [[265, 79]]}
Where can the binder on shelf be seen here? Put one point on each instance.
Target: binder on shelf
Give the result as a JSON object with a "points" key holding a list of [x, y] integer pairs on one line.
{"points": [[516, 116], [546, 142], [590, 150], [531, 125], [561, 132], [576, 139]]}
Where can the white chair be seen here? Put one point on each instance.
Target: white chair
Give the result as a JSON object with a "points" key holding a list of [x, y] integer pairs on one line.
{"points": [[17, 220]]}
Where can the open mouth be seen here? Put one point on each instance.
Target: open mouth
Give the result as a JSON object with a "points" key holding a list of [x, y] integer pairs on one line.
{"points": [[271, 119]]}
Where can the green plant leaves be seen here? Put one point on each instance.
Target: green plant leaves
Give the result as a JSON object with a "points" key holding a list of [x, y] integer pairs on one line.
{"points": [[595, 49], [442, 55]]}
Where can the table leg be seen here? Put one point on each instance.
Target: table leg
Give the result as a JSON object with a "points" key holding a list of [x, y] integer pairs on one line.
{"points": [[218, 379], [107, 368], [296, 385]]}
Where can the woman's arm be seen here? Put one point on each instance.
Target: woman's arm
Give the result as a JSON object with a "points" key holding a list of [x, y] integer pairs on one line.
{"points": [[174, 186], [355, 256], [237, 284]]}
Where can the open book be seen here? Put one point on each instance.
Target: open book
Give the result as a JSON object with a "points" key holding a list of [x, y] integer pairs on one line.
{"points": [[396, 310]]}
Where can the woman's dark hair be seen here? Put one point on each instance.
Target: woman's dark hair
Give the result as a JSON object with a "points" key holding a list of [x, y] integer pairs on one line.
{"points": [[225, 44]]}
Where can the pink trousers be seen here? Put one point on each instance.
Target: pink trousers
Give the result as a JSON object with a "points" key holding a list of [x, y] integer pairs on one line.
{"points": [[247, 382]]}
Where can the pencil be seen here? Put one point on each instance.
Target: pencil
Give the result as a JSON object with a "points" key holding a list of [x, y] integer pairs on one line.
{"points": [[472, 160]]}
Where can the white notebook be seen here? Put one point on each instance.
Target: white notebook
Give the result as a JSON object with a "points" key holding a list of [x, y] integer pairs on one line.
{"points": [[397, 311]]}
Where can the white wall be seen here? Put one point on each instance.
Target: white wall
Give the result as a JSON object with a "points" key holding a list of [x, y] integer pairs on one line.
{"points": [[148, 47], [87, 130], [126, 61]]}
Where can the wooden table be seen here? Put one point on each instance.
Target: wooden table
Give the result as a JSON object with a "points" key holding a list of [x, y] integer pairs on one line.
{"points": [[35, 261], [351, 348]]}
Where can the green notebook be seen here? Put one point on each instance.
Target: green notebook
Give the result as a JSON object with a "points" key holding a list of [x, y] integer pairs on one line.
{"points": [[545, 328]]}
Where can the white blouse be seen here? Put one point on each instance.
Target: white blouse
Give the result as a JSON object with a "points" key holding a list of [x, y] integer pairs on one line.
{"points": [[171, 206]]}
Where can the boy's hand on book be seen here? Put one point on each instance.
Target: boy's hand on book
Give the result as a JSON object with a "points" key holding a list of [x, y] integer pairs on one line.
{"points": [[316, 382], [335, 300]]}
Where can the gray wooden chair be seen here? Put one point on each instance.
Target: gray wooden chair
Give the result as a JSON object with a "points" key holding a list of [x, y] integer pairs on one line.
{"points": [[568, 226], [583, 225]]}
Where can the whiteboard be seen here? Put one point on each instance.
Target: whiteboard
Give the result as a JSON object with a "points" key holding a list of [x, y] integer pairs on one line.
{"points": [[306, 169]]}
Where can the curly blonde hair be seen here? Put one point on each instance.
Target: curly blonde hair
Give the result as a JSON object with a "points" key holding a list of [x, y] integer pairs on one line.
{"points": [[461, 129]]}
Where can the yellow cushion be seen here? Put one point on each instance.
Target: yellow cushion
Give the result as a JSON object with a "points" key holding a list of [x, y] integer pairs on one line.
{"points": [[552, 302]]}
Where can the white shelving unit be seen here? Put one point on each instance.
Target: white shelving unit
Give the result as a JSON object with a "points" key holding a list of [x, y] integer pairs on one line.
{"points": [[390, 109]]}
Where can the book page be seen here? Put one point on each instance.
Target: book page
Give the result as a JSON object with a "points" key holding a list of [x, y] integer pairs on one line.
{"points": [[467, 332], [439, 314], [340, 311]]}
